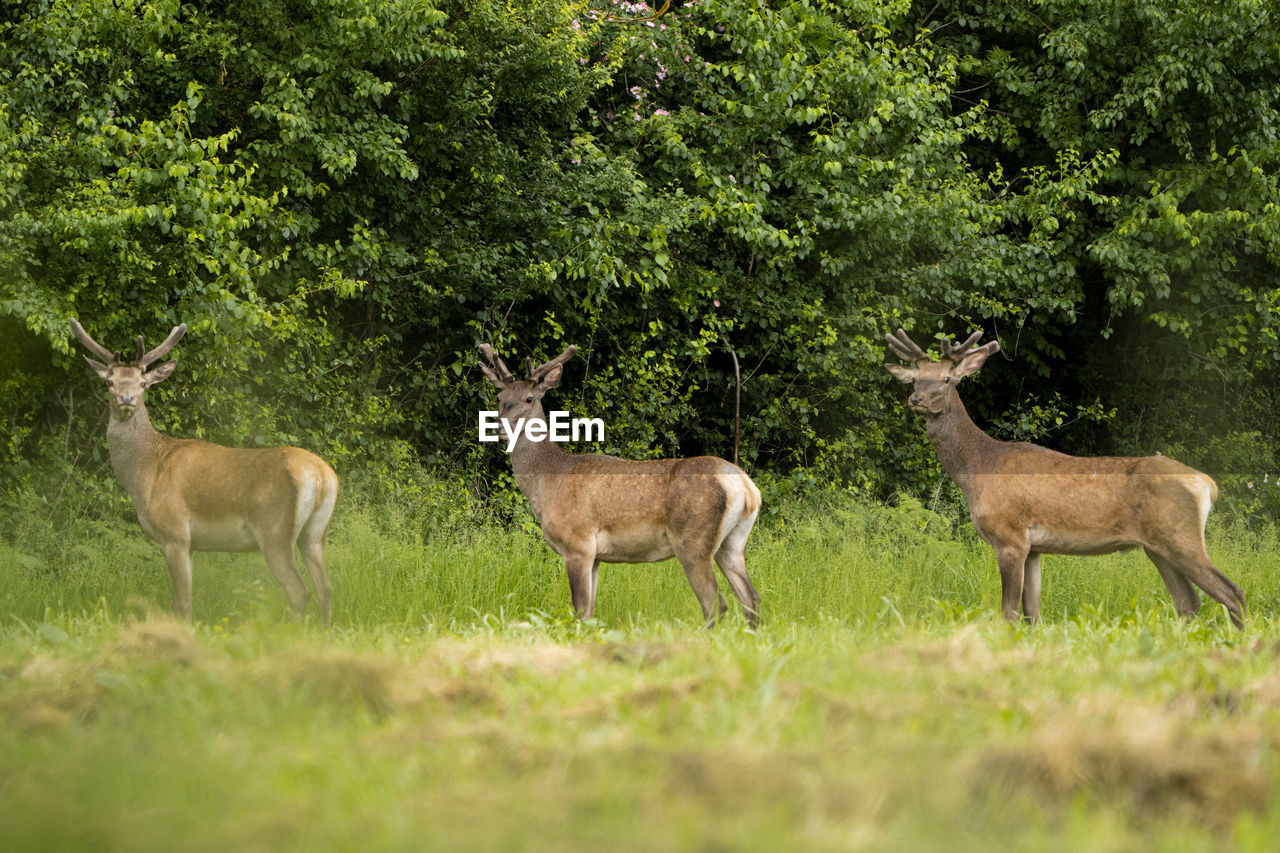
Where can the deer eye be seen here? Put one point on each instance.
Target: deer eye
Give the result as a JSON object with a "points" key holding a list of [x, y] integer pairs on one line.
{"points": [[529, 399], [946, 380]]}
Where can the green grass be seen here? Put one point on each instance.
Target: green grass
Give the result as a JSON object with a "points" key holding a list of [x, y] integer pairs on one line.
{"points": [[454, 705]]}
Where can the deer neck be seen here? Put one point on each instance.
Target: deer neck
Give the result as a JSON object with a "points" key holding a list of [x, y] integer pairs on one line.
{"points": [[133, 443], [533, 461], [964, 450]]}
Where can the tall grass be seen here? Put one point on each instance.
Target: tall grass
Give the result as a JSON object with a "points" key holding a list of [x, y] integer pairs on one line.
{"points": [[826, 558]]}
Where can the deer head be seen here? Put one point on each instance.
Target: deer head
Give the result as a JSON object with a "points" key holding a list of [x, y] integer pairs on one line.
{"points": [[935, 382], [522, 398], [127, 381]]}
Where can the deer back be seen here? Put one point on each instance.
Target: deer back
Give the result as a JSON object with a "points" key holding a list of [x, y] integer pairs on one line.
{"points": [[1085, 504]]}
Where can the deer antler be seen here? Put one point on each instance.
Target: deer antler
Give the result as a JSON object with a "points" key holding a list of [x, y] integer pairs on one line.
{"points": [[90, 344], [496, 369], [175, 335], [956, 354], [906, 349], [144, 358], [542, 370]]}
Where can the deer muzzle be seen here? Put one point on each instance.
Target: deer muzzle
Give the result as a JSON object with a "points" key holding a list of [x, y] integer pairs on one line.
{"points": [[126, 404]]}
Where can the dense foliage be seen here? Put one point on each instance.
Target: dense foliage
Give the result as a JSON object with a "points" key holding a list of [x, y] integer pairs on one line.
{"points": [[341, 198]]}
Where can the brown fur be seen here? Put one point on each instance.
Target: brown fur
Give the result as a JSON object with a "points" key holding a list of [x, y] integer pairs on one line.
{"points": [[1027, 500], [193, 495], [595, 508]]}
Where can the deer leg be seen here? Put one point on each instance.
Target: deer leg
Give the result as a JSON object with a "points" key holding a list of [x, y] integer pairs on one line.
{"points": [[1219, 587], [1031, 589], [733, 564], [582, 569], [311, 546], [282, 564], [1201, 571], [276, 540], [178, 556], [701, 574], [1185, 597], [595, 582], [313, 559], [1013, 561]]}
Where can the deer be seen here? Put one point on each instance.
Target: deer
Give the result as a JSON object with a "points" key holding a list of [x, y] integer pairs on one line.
{"points": [[595, 508], [1026, 500], [193, 495]]}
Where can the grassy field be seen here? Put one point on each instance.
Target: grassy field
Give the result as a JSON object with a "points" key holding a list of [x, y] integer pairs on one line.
{"points": [[454, 705]]}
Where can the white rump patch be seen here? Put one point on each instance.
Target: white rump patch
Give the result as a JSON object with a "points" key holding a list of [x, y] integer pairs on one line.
{"points": [[306, 504], [1202, 491], [738, 503]]}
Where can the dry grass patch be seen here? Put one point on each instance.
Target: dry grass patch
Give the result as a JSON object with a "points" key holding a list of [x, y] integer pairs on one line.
{"points": [[817, 803], [646, 698], [637, 653], [158, 639], [48, 693], [543, 659], [377, 683], [1160, 760], [50, 689], [968, 649], [1265, 690]]}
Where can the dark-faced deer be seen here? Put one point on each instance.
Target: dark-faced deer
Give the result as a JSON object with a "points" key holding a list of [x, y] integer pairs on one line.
{"points": [[1026, 500], [597, 509], [196, 496]]}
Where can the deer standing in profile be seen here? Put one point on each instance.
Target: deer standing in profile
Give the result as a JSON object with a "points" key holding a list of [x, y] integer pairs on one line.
{"points": [[595, 508], [192, 495], [1025, 500]]}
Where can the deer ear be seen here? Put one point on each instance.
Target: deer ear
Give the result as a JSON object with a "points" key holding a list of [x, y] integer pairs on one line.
{"points": [[98, 367], [159, 374], [551, 379], [973, 362], [902, 374]]}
